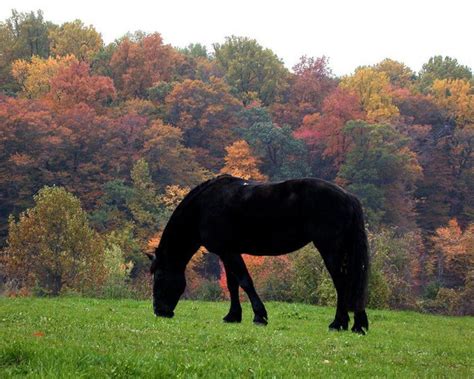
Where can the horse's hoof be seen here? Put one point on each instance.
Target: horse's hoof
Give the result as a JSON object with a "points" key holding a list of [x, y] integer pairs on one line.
{"points": [[337, 327], [230, 318], [259, 320], [358, 330]]}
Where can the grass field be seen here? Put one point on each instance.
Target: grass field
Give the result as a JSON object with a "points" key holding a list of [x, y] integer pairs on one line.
{"points": [[75, 337]]}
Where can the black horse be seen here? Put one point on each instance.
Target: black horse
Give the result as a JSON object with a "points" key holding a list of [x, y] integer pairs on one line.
{"points": [[230, 216]]}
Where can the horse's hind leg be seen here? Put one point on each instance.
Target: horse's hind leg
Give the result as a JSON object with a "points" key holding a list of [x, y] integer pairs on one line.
{"points": [[235, 312], [333, 259], [236, 265]]}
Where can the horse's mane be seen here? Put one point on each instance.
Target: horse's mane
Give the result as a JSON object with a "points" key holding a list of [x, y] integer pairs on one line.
{"points": [[183, 205], [197, 190]]}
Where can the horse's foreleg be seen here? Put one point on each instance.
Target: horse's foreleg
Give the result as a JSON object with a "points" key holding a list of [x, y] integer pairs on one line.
{"points": [[237, 267], [235, 312]]}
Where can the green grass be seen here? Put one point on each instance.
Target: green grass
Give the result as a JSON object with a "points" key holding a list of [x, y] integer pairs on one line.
{"points": [[75, 337]]}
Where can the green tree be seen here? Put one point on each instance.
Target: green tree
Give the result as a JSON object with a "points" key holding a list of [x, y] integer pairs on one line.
{"points": [[112, 212], [382, 171], [51, 246], [195, 50], [22, 36], [144, 202], [282, 155], [251, 70], [77, 39], [442, 68]]}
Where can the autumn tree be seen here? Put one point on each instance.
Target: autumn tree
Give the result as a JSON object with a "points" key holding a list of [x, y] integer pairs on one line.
{"points": [[454, 253], [444, 192], [170, 160], [26, 143], [73, 84], [252, 71], [310, 84], [83, 163], [240, 162], [35, 77], [75, 38], [373, 90], [207, 114], [52, 247], [456, 97], [418, 109], [399, 74], [323, 133], [140, 61]]}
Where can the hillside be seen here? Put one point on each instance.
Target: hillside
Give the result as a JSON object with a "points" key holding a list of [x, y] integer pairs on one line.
{"points": [[71, 337]]}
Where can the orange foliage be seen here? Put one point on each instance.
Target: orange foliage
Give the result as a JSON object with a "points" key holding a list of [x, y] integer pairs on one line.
{"points": [[240, 162], [138, 64], [264, 270], [73, 84], [455, 249]]}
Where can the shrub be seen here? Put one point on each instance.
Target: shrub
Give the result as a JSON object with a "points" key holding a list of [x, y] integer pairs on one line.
{"points": [[307, 272], [325, 292], [209, 290], [393, 263], [52, 247]]}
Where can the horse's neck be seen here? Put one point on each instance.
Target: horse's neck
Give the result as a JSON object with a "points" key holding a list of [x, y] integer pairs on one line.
{"points": [[178, 244]]}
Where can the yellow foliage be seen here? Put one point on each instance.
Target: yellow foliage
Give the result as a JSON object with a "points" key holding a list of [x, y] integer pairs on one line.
{"points": [[173, 195], [455, 95], [35, 76], [373, 89], [398, 73], [455, 247]]}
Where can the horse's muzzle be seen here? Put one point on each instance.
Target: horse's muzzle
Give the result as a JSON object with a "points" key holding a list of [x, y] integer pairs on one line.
{"points": [[167, 314], [161, 311]]}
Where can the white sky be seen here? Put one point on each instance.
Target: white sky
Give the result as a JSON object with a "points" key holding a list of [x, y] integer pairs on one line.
{"points": [[350, 33]]}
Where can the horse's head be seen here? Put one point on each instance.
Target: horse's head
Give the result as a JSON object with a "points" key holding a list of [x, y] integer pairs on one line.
{"points": [[168, 286]]}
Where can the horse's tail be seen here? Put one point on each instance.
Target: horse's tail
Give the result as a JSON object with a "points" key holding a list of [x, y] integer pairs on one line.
{"points": [[358, 260]]}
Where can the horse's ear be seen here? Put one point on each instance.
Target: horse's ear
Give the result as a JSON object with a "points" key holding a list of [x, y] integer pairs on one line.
{"points": [[150, 255]]}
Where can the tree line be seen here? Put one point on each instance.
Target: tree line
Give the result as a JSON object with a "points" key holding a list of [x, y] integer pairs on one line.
{"points": [[124, 130]]}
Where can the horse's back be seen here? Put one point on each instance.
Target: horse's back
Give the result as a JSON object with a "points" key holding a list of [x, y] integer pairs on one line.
{"points": [[270, 218]]}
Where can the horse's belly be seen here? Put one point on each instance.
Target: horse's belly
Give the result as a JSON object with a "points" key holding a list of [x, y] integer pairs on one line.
{"points": [[255, 239]]}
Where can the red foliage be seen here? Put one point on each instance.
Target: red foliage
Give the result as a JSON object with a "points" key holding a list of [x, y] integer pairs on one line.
{"points": [[311, 83], [326, 130], [73, 84]]}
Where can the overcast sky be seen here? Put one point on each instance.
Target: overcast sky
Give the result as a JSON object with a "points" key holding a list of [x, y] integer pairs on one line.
{"points": [[350, 33]]}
